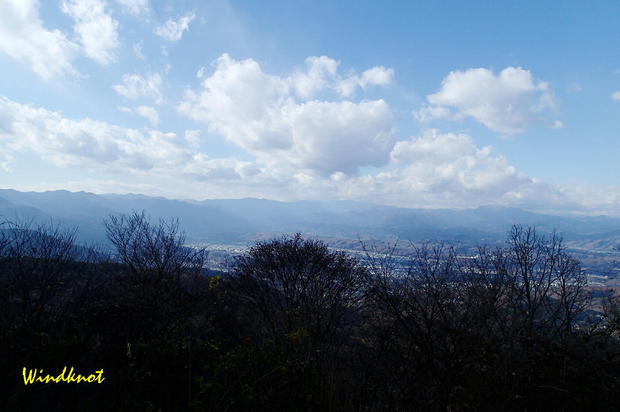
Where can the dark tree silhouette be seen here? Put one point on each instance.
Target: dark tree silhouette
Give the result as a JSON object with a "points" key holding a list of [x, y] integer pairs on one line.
{"points": [[302, 301], [294, 325]]}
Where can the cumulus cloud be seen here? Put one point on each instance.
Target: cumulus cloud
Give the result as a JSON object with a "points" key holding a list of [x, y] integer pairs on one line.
{"points": [[147, 112], [616, 96], [330, 137], [95, 28], [134, 7], [438, 170], [193, 137], [23, 38], [322, 73], [507, 103], [135, 86], [172, 30], [435, 170], [379, 76], [317, 148], [439, 162], [310, 148], [137, 50], [260, 113], [431, 170], [85, 142], [94, 144], [202, 168], [430, 113]]}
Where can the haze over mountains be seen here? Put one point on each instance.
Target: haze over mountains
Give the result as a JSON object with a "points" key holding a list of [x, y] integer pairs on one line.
{"points": [[241, 221]]}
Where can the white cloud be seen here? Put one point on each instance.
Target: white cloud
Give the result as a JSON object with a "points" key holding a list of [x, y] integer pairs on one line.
{"points": [[137, 50], [507, 103], [322, 73], [437, 170], [329, 137], [379, 76], [135, 86], [193, 137], [616, 96], [432, 170], [147, 112], [95, 28], [172, 30], [452, 161], [201, 168], [134, 7], [241, 103], [23, 38], [259, 113], [92, 144], [430, 113], [85, 142]]}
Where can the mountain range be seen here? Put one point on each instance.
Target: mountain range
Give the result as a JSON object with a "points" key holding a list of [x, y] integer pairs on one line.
{"points": [[242, 221]]}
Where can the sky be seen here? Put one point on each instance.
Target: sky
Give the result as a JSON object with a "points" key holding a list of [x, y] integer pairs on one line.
{"points": [[443, 104]]}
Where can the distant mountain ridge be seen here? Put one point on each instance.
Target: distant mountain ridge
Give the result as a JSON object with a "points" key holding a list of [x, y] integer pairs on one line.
{"points": [[244, 220]]}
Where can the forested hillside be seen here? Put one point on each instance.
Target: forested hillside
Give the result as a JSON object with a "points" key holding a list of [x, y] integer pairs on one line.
{"points": [[294, 325]]}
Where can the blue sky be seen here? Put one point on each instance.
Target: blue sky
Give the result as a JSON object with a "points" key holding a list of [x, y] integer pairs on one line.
{"points": [[416, 104]]}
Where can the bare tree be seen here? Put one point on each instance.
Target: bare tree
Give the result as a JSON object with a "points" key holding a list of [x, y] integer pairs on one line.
{"points": [[302, 301], [158, 273], [150, 249], [297, 284], [548, 284], [467, 321], [35, 262]]}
